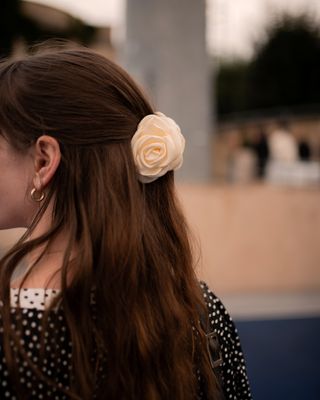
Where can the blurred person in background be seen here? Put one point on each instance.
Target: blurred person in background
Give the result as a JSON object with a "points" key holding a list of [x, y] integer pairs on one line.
{"points": [[304, 150], [99, 298], [283, 146], [258, 143], [261, 148]]}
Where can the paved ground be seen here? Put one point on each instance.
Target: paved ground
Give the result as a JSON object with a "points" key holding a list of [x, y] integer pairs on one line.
{"points": [[283, 357]]}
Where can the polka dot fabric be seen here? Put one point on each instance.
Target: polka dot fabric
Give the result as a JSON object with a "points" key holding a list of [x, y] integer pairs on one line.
{"points": [[233, 370], [55, 363]]}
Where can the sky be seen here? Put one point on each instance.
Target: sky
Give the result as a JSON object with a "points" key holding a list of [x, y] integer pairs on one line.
{"points": [[233, 26]]}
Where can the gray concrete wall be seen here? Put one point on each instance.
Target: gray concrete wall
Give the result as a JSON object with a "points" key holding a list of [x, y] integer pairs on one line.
{"points": [[165, 50]]}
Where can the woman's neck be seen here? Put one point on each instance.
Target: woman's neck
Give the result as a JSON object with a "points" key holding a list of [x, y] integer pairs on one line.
{"points": [[45, 268]]}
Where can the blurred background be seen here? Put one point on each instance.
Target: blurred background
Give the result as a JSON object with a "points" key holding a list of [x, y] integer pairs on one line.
{"points": [[242, 80]]}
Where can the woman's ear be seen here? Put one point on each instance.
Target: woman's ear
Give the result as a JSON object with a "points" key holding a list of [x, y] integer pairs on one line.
{"points": [[47, 158]]}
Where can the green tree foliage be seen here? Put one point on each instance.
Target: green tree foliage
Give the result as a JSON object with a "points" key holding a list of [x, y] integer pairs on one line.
{"points": [[285, 68], [9, 25], [14, 24], [283, 73], [232, 87]]}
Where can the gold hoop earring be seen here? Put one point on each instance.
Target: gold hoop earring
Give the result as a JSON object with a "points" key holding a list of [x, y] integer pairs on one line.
{"points": [[35, 197]]}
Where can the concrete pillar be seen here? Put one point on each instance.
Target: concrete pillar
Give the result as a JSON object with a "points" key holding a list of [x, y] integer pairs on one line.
{"points": [[165, 50]]}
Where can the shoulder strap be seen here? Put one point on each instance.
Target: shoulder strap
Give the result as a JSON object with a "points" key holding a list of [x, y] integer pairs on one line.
{"points": [[213, 346], [214, 353]]}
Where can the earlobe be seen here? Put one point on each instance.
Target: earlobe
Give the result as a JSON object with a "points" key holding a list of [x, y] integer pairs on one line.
{"points": [[47, 158]]}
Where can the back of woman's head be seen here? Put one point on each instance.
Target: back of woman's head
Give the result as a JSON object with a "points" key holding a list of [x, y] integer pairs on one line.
{"points": [[133, 253]]}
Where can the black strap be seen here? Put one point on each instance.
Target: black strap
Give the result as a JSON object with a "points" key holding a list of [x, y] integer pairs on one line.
{"points": [[214, 353], [213, 346]]}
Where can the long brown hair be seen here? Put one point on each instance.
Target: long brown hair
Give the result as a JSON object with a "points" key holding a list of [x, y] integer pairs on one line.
{"points": [[133, 241]]}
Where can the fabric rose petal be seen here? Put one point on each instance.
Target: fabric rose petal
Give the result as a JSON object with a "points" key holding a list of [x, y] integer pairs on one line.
{"points": [[157, 147]]}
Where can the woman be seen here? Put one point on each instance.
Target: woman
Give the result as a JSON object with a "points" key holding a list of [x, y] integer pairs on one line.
{"points": [[99, 297]]}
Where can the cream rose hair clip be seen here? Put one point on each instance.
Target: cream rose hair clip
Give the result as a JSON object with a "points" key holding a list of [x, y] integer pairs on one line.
{"points": [[157, 147]]}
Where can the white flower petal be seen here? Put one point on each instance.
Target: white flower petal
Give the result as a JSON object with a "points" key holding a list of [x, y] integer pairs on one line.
{"points": [[157, 146]]}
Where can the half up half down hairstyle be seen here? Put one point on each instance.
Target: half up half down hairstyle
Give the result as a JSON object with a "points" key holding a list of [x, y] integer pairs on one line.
{"points": [[134, 256]]}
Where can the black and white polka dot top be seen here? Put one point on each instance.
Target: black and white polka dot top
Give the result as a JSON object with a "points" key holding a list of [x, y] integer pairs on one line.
{"points": [[233, 370], [56, 363]]}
